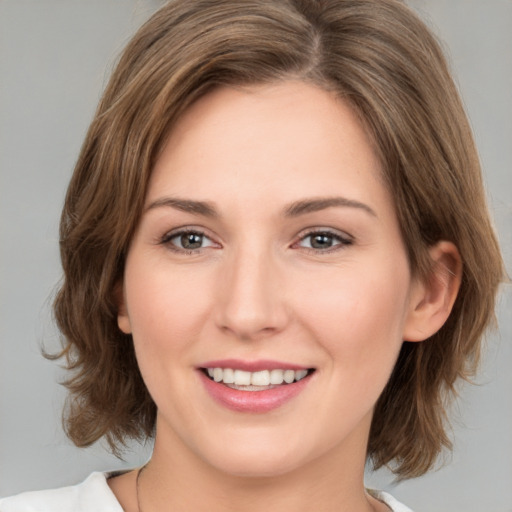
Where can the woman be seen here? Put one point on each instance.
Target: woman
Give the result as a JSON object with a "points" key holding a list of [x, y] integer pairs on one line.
{"points": [[272, 198]]}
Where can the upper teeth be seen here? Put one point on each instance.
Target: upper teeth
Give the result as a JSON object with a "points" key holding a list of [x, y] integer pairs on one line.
{"points": [[262, 378]]}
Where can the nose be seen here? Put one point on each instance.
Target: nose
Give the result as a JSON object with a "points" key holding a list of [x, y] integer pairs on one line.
{"points": [[251, 302]]}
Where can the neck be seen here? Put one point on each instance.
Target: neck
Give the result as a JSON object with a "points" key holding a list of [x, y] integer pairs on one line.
{"points": [[177, 480]]}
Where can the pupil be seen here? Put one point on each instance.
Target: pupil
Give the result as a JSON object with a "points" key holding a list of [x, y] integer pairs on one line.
{"points": [[191, 241], [321, 241]]}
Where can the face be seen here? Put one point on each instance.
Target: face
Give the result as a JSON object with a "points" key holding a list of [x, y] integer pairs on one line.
{"points": [[268, 249]]}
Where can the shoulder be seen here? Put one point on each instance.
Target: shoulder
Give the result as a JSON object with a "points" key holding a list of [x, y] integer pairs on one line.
{"points": [[92, 495], [391, 502]]}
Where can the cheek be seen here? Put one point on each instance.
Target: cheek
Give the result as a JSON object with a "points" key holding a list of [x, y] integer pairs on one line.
{"points": [[358, 316], [166, 309], [358, 325]]}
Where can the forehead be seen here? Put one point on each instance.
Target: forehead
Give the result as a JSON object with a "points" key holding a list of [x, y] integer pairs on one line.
{"points": [[282, 140]]}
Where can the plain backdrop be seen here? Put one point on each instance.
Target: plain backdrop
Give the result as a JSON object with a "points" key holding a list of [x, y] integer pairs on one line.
{"points": [[55, 57]]}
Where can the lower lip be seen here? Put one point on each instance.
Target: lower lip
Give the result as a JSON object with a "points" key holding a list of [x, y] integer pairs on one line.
{"points": [[253, 401]]}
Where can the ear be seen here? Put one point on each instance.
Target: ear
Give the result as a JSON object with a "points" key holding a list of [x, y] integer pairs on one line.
{"points": [[431, 300], [123, 320]]}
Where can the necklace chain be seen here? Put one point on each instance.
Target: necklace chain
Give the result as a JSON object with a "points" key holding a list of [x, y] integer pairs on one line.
{"points": [[137, 484]]}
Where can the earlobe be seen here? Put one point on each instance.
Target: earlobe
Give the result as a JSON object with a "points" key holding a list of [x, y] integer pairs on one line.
{"points": [[432, 300], [123, 320]]}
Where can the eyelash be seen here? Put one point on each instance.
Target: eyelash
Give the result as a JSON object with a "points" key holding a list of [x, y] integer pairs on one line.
{"points": [[166, 240], [343, 241]]}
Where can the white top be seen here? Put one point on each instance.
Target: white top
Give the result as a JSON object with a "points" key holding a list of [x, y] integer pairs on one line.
{"points": [[94, 495]]}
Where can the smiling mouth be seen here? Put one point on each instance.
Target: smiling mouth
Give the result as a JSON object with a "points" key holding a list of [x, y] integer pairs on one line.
{"points": [[255, 381]]}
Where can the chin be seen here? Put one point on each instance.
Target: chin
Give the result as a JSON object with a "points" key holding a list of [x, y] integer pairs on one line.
{"points": [[257, 460], [257, 467]]}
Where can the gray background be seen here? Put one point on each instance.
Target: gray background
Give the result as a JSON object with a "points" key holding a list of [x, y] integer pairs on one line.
{"points": [[55, 57]]}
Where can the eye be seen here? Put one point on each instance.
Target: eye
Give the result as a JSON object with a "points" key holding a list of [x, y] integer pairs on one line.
{"points": [[187, 241], [324, 241]]}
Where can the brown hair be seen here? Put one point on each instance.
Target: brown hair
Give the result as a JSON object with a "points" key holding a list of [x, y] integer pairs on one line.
{"points": [[379, 57]]}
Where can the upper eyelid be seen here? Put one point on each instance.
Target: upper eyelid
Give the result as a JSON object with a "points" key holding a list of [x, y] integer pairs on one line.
{"points": [[184, 229], [331, 231]]}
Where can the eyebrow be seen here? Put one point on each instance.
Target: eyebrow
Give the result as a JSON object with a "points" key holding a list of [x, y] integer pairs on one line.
{"points": [[203, 208], [295, 209], [317, 204]]}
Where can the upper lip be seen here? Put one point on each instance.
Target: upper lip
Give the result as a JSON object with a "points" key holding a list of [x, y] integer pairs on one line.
{"points": [[253, 366]]}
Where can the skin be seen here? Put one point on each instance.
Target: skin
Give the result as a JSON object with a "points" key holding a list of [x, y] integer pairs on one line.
{"points": [[258, 288]]}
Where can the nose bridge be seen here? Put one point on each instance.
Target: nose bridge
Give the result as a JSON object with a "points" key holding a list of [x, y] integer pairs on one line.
{"points": [[251, 303]]}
